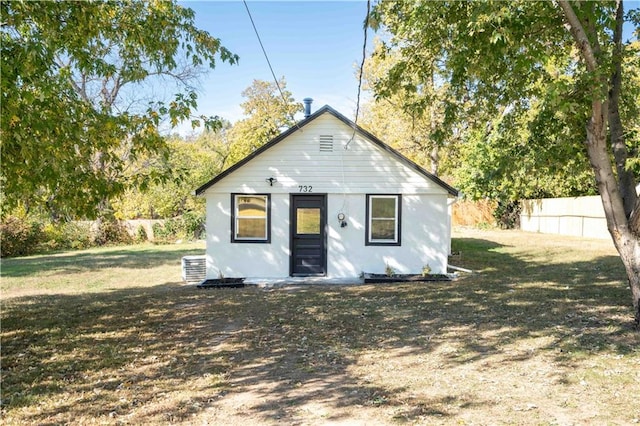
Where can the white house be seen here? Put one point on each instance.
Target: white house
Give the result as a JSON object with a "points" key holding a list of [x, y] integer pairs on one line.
{"points": [[325, 198]]}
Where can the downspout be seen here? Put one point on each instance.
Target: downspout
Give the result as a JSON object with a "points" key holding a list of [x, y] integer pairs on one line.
{"points": [[450, 202]]}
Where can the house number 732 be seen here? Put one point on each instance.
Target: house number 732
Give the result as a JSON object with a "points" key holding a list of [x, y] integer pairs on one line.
{"points": [[305, 188]]}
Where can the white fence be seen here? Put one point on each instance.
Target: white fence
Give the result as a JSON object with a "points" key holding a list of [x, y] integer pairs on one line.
{"points": [[579, 216]]}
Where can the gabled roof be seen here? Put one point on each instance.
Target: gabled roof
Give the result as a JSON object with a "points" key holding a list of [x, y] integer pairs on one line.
{"points": [[327, 109]]}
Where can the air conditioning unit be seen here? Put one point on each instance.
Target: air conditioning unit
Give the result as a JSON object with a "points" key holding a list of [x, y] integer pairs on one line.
{"points": [[194, 269]]}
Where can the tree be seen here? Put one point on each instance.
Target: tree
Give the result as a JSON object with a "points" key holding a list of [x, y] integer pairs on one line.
{"points": [[268, 113], [80, 83], [191, 162], [194, 161], [514, 156], [500, 55], [409, 119]]}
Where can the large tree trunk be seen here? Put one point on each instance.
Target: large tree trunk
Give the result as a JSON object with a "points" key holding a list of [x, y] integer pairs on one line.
{"points": [[633, 271], [629, 245], [624, 237], [621, 207]]}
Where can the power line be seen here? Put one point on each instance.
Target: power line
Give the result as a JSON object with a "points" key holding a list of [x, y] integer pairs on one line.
{"points": [[364, 56], [275, 79], [345, 204]]}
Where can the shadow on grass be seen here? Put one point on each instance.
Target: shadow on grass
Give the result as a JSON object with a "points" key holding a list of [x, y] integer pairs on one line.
{"points": [[134, 257], [167, 353]]}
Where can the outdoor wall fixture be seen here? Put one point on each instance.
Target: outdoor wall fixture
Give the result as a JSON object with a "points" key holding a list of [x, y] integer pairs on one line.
{"points": [[271, 180], [342, 220]]}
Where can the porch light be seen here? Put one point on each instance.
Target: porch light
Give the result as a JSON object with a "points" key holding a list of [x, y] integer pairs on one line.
{"points": [[271, 180]]}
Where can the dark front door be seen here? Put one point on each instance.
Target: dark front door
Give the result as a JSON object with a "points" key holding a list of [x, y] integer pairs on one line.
{"points": [[308, 235]]}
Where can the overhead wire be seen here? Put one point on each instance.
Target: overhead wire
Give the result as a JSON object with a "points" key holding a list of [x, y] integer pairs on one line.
{"points": [[264, 51], [345, 206], [361, 72], [364, 57]]}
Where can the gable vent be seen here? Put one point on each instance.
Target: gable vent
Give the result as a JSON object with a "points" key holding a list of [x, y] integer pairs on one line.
{"points": [[326, 143]]}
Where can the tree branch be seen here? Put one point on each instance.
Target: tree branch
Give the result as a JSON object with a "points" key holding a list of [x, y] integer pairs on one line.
{"points": [[117, 85], [579, 35], [80, 89]]}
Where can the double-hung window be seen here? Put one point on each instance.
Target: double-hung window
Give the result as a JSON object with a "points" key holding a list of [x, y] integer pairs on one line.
{"points": [[251, 218], [383, 220]]}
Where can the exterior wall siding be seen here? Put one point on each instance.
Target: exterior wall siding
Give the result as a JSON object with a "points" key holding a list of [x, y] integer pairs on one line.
{"points": [[228, 259], [424, 239], [362, 168], [346, 176]]}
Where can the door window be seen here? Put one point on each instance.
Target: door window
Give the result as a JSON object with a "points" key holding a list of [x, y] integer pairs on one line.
{"points": [[307, 221]]}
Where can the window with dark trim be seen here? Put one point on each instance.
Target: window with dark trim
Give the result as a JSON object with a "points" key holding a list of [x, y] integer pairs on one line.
{"points": [[250, 218], [383, 223]]}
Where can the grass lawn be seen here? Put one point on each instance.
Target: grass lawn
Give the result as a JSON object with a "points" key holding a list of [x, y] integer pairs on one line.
{"points": [[541, 334]]}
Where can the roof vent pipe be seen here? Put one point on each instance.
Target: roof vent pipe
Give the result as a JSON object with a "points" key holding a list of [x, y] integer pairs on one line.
{"points": [[307, 107]]}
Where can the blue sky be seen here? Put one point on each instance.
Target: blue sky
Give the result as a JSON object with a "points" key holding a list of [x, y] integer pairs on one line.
{"points": [[316, 46]]}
